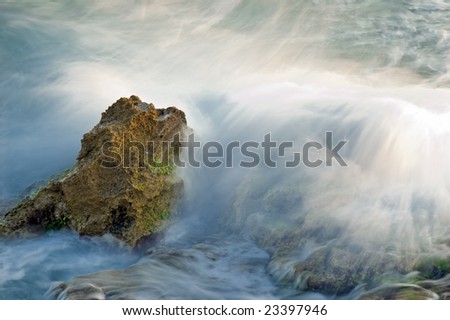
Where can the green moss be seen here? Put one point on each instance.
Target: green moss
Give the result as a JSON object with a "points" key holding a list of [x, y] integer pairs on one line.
{"points": [[434, 267], [153, 219], [140, 186], [163, 215], [412, 295], [158, 168], [56, 224]]}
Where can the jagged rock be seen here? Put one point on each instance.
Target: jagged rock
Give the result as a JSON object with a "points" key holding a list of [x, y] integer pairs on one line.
{"points": [[123, 183]]}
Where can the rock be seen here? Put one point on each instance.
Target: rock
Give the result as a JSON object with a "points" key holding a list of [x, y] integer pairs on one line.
{"points": [[82, 291], [440, 286], [432, 266], [4, 229], [445, 296], [399, 292], [337, 270], [311, 249], [116, 185], [205, 270]]}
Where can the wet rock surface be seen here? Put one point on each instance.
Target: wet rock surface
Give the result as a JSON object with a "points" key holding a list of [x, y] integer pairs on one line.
{"points": [[228, 269], [123, 182], [313, 249]]}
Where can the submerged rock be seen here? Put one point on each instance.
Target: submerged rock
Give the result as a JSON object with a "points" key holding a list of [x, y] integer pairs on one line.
{"points": [[213, 269], [82, 291], [316, 245], [399, 292], [123, 182], [440, 286]]}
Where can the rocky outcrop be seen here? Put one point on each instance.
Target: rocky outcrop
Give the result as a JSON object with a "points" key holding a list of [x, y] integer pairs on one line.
{"points": [[123, 182]]}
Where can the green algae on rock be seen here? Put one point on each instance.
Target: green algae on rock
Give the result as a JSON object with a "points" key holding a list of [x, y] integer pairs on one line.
{"points": [[399, 292], [114, 187]]}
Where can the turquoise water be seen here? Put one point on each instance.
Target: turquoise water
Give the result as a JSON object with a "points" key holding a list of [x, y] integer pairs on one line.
{"points": [[376, 73]]}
